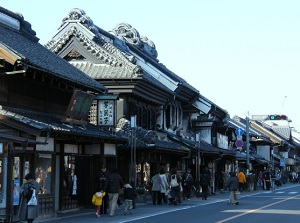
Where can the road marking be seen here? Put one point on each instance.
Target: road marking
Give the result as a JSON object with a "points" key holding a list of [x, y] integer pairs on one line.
{"points": [[256, 210], [156, 214], [269, 211]]}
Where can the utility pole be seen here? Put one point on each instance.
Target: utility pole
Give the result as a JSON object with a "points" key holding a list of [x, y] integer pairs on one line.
{"points": [[247, 144]]}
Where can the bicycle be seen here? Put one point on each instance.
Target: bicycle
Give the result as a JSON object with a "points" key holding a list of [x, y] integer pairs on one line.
{"points": [[193, 191]]}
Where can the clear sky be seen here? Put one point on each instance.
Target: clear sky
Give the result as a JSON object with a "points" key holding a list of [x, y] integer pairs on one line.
{"points": [[242, 55]]}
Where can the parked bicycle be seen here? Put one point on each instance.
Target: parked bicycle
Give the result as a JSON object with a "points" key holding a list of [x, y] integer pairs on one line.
{"points": [[195, 189]]}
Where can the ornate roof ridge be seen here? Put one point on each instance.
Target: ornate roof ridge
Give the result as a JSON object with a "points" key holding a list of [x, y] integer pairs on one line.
{"points": [[80, 16], [130, 35], [106, 52]]}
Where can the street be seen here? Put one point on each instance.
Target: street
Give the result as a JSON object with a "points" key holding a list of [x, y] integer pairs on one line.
{"points": [[282, 205]]}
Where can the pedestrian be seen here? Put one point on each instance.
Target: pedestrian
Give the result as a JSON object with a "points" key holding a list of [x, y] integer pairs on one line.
{"points": [[175, 181], [233, 185], [278, 178], [205, 183], [267, 178], [156, 187], [101, 185], [251, 180], [242, 180], [164, 186], [97, 202], [187, 184], [129, 196], [27, 190], [114, 184]]}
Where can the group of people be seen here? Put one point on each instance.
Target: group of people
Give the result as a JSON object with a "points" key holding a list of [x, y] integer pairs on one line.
{"points": [[108, 186], [167, 188]]}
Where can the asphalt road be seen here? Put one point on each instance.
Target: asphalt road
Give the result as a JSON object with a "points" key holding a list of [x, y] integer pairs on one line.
{"points": [[280, 206]]}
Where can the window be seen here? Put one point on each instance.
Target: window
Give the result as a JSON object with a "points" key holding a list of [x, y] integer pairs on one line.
{"points": [[43, 173]]}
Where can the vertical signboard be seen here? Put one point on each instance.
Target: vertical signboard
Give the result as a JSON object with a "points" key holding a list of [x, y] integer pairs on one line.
{"points": [[16, 192], [1, 176], [3, 182], [106, 112]]}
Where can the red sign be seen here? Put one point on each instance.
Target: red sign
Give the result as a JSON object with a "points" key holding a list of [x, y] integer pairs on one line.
{"points": [[239, 144]]}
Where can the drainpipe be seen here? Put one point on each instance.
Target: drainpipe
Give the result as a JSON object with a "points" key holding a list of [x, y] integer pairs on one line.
{"points": [[9, 188]]}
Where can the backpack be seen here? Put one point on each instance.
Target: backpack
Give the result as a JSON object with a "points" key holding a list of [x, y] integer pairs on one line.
{"points": [[174, 182]]}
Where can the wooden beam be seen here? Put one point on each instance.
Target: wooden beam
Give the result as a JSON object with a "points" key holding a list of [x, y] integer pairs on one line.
{"points": [[8, 55]]}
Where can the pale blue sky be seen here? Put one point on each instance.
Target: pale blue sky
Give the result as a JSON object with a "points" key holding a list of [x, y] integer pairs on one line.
{"points": [[242, 55]]}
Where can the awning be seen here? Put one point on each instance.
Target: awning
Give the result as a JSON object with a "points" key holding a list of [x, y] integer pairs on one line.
{"points": [[17, 139], [38, 123]]}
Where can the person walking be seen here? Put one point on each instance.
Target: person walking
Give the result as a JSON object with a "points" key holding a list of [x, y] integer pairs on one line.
{"points": [[164, 187], [97, 201], [114, 184], [101, 185], [242, 180], [156, 188], [129, 196], [205, 183], [267, 178], [175, 181], [28, 212], [251, 180], [233, 185], [187, 184]]}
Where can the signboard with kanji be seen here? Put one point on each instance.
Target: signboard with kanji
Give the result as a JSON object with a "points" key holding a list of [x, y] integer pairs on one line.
{"points": [[106, 112]]}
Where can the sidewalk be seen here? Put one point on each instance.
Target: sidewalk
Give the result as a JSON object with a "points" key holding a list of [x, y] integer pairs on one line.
{"points": [[148, 207]]}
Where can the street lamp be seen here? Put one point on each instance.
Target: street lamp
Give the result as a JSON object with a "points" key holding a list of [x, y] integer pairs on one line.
{"points": [[133, 149]]}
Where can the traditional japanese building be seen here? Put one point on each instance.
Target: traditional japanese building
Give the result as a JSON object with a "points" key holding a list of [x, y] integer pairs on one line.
{"points": [[168, 112], [44, 129]]}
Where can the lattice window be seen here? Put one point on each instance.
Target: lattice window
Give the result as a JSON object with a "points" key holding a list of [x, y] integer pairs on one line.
{"points": [[93, 113]]}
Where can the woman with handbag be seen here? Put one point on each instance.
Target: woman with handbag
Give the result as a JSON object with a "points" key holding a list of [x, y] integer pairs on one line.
{"points": [[28, 206]]}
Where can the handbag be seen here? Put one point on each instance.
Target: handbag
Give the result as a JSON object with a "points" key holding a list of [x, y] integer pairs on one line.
{"points": [[33, 200], [174, 182], [237, 195]]}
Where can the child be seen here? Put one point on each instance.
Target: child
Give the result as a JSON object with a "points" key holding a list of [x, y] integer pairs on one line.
{"points": [[129, 196], [97, 201]]}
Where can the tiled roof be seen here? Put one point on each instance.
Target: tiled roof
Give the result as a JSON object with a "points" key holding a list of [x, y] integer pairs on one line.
{"points": [[150, 140], [49, 122], [37, 56], [103, 71], [284, 131], [204, 146], [18, 139]]}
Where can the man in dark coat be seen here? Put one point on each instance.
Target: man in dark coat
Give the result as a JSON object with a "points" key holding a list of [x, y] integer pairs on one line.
{"points": [[28, 212], [205, 183], [101, 185], [187, 184], [267, 177], [115, 183]]}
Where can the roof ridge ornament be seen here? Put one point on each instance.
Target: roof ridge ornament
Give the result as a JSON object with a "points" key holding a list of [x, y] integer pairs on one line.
{"points": [[80, 16], [130, 35]]}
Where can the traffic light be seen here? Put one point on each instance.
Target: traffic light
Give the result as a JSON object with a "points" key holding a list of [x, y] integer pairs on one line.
{"points": [[278, 117]]}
